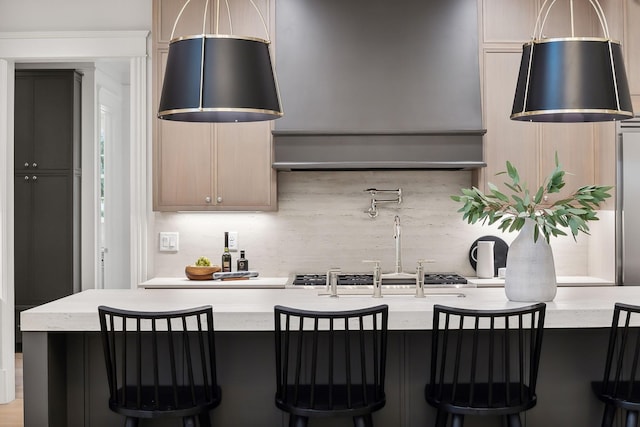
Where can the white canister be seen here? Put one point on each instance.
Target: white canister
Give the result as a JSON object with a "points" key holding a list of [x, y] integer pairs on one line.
{"points": [[483, 255]]}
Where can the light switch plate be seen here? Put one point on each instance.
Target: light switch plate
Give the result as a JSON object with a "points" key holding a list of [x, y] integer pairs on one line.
{"points": [[169, 241], [233, 241]]}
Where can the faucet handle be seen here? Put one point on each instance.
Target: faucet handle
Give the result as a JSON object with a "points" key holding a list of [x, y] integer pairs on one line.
{"points": [[420, 277], [377, 278], [332, 281]]}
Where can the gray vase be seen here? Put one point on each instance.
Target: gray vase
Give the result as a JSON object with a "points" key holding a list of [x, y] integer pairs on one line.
{"points": [[531, 272]]}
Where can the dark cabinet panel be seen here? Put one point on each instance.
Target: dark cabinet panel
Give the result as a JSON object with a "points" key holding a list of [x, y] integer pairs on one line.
{"points": [[45, 119], [47, 190], [44, 256]]}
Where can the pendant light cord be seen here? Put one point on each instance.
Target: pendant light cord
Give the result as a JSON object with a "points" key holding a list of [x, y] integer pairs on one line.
{"points": [[175, 24], [217, 25], [264, 24], [548, 5]]}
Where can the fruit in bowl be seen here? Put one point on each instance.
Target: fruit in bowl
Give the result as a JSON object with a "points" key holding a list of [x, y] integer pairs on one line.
{"points": [[202, 270]]}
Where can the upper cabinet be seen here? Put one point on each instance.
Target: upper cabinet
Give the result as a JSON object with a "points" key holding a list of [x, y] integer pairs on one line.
{"points": [[206, 166], [586, 150]]}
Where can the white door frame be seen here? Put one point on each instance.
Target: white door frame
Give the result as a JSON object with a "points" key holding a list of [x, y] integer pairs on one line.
{"points": [[73, 46]]}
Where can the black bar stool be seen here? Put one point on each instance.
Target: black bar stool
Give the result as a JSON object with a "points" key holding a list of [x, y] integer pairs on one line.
{"points": [[620, 386], [484, 362], [331, 364], [160, 365]]}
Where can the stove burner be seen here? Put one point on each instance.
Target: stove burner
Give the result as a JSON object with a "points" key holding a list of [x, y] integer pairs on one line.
{"points": [[367, 279]]}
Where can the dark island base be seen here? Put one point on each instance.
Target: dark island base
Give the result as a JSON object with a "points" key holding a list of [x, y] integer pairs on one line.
{"points": [[65, 382]]}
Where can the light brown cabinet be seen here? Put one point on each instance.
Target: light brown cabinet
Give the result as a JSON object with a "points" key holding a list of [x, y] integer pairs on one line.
{"points": [[506, 139], [204, 166], [531, 147]]}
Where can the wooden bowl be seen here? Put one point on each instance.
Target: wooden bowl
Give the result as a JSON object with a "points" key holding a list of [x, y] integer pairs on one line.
{"points": [[196, 272]]}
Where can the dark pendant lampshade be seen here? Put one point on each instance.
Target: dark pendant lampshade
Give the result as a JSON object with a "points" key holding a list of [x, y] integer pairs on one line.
{"points": [[572, 80], [219, 78]]}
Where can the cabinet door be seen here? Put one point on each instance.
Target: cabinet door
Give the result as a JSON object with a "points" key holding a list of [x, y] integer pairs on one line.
{"points": [[184, 166], [43, 237], [508, 20], [506, 139], [245, 178], [44, 119], [575, 145]]}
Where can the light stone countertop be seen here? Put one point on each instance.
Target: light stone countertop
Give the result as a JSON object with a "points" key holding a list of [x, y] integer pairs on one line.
{"points": [[561, 280], [252, 309], [184, 283]]}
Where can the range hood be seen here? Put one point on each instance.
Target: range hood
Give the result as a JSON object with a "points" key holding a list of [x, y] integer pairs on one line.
{"points": [[373, 84]]}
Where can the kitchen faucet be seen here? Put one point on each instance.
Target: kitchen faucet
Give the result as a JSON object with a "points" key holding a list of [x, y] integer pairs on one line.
{"points": [[398, 237]]}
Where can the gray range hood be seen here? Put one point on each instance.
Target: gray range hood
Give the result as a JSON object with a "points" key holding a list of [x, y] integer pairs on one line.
{"points": [[374, 84]]}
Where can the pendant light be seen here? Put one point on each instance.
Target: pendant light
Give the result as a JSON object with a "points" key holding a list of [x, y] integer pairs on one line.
{"points": [[219, 77], [571, 79]]}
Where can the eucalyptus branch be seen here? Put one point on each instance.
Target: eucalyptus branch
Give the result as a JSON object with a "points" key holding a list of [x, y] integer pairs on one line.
{"points": [[511, 212]]}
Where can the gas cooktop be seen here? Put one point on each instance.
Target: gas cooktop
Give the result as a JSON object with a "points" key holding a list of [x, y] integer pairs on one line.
{"points": [[364, 279]]}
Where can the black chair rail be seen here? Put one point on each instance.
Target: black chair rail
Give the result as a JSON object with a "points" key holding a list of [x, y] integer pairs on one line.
{"points": [[484, 362], [160, 364], [620, 385], [330, 364]]}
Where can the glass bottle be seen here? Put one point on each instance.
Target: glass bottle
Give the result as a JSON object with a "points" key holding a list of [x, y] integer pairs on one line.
{"points": [[243, 263], [226, 256]]}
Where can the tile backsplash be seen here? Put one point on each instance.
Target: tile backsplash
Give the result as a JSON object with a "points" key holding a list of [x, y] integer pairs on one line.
{"points": [[322, 222]]}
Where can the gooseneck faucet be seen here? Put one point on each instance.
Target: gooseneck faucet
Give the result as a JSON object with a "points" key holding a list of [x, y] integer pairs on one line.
{"points": [[398, 236]]}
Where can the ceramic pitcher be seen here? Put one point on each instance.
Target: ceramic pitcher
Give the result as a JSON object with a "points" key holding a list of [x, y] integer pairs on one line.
{"points": [[483, 255]]}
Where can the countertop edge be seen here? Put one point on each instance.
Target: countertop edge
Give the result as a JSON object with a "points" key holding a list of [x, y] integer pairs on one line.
{"points": [[252, 309]]}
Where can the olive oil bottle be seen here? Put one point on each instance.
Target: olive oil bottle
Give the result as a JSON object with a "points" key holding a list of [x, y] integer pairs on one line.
{"points": [[226, 256]]}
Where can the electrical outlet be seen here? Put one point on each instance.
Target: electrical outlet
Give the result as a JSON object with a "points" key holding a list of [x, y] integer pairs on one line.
{"points": [[233, 241], [169, 241]]}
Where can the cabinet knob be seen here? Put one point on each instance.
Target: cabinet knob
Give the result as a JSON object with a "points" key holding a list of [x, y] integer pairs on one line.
{"points": [[35, 165], [219, 199], [26, 164], [26, 178], [35, 178], [207, 199]]}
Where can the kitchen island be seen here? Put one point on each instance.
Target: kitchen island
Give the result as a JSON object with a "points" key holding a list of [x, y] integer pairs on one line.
{"points": [[65, 384]]}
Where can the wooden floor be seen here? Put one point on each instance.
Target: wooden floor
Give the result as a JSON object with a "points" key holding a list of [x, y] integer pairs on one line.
{"points": [[11, 414]]}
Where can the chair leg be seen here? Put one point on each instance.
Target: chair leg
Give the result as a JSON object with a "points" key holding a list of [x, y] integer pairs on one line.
{"points": [[204, 419], [297, 421], [609, 414], [441, 418], [131, 422], [188, 422], [632, 419], [363, 421], [457, 420], [513, 420]]}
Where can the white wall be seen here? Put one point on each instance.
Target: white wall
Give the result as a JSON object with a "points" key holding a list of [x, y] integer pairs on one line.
{"points": [[74, 15], [321, 223]]}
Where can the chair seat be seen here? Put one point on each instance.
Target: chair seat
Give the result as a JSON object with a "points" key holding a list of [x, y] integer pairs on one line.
{"points": [[623, 398], [331, 404], [166, 408], [479, 404]]}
